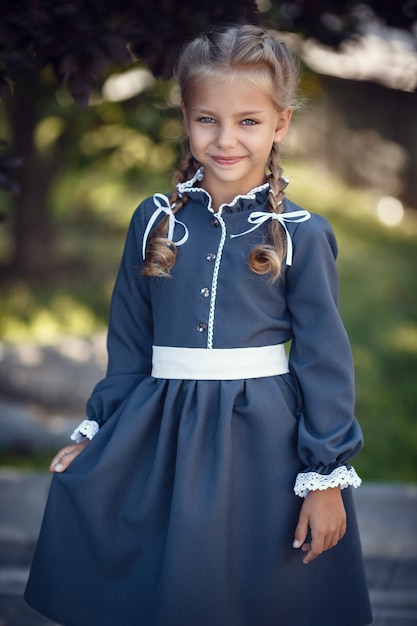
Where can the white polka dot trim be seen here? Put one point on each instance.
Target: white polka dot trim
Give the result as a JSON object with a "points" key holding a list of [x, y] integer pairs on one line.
{"points": [[86, 430], [342, 476]]}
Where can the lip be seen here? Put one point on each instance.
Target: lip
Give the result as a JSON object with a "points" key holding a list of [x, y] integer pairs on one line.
{"points": [[220, 160]]}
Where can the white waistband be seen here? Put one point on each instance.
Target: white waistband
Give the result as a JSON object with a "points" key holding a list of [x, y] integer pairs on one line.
{"points": [[219, 364]]}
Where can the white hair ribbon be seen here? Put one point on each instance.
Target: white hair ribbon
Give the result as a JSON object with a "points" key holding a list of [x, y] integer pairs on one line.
{"points": [[172, 220], [260, 217]]}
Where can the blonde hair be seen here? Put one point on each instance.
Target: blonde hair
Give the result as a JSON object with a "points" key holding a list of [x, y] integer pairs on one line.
{"points": [[257, 54]]}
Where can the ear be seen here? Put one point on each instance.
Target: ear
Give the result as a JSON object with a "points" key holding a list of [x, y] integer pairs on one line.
{"points": [[184, 117], [282, 125]]}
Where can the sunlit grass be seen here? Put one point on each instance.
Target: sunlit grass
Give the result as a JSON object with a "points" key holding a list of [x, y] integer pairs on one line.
{"points": [[42, 314]]}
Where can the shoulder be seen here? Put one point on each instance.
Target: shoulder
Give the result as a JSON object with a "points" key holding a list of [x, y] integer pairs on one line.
{"points": [[149, 205], [151, 209], [316, 232]]}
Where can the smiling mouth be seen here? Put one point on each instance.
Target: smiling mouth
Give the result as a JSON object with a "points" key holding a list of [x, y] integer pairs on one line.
{"points": [[226, 160]]}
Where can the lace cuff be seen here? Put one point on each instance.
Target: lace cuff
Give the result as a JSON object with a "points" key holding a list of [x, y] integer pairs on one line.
{"points": [[86, 430], [342, 476]]}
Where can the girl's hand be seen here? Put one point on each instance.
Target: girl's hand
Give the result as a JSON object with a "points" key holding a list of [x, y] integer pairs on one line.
{"points": [[324, 513], [66, 456]]}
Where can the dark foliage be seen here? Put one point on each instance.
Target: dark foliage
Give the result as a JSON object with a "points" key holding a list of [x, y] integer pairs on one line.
{"points": [[81, 39], [8, 165]]}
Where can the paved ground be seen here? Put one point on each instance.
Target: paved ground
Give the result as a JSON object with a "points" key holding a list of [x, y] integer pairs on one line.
{"points": [[41, 400]]}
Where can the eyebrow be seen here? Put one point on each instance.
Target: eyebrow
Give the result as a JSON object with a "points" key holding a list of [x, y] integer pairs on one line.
{"points": [[239, 114]]}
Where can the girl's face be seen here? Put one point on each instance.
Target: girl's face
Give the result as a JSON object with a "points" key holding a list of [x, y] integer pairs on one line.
{"points": [[231, 127]]}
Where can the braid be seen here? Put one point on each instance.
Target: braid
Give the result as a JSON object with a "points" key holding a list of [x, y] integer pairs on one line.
{"points": [[186, 170], [267, 258], [161, 252], [276, 180]]}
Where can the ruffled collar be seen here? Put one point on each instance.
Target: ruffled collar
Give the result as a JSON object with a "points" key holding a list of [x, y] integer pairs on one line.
{"points": [[190, 188], [249, 201]]}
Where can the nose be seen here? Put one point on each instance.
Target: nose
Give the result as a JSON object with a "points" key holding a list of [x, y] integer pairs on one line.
{"points": [[225, 137]]}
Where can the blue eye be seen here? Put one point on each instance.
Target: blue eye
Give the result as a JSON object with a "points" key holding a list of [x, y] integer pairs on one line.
{"points": [[206, 120], [248, 122]]}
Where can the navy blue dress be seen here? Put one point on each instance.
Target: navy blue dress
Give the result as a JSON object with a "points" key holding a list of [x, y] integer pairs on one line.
{"points": [[181, 511]]}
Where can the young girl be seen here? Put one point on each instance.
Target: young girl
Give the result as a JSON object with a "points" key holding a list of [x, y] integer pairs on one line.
{"points": [[205, 489]]}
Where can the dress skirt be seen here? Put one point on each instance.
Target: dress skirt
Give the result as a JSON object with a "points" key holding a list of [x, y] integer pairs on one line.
{"points": [[181, 512]]}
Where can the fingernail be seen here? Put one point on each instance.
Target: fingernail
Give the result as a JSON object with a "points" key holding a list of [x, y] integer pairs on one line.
{"points": [[58, 467], [296, 543]]}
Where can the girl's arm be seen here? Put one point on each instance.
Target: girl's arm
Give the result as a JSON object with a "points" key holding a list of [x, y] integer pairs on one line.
{"points": [[321, 363], [129, 344]]}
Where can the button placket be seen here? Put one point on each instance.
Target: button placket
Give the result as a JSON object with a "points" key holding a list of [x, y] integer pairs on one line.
{"points": [[209, 293]]}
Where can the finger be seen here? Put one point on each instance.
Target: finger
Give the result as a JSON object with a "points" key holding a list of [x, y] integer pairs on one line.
{"points": [[300, 531], [66, 456], [56, 460], [57, 464], [333, 538], [330, 541], [316, 547], [63, 459], [337, 536], [321, 543], [53, 463]]}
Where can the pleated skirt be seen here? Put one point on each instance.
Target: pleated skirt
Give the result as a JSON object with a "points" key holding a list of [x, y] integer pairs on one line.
{"points": [[181, 512]]}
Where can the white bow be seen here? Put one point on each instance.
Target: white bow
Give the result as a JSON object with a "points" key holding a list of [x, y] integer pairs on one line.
{"points": [[260, 217], [172, 220]]}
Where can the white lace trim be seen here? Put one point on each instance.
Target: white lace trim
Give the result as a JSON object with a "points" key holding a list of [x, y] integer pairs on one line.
{"points": [[198, 177], [188, 184], [312, 481], [86, 430]]}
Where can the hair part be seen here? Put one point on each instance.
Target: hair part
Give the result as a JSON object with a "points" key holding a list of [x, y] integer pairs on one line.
{"points": [[265, 60], [257, 55]]}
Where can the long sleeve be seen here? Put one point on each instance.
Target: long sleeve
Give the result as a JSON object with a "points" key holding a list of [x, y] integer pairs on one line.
{"points": [[321, 361], [129, 340]]}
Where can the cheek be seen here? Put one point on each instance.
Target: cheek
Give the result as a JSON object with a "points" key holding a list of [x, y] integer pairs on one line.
{"points": [[198, 136]]}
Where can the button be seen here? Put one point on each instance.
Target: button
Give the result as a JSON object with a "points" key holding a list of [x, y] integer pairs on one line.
{"points": [[211, 256], [205, 292], [214, 222], [201, 327]]}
